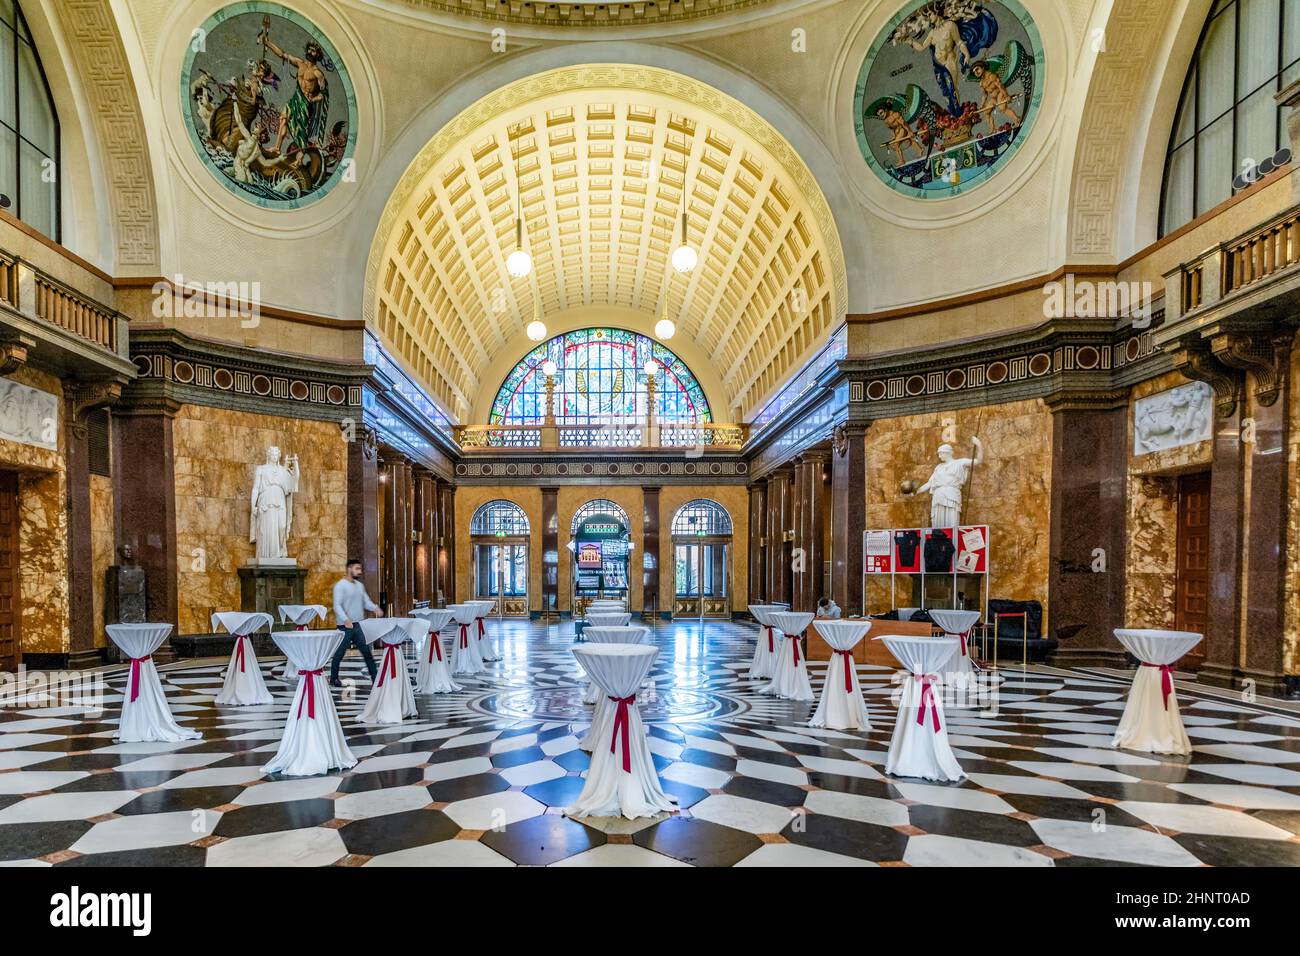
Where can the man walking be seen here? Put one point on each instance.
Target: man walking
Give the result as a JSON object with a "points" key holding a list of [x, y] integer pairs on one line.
{"points": [[351, 604]]}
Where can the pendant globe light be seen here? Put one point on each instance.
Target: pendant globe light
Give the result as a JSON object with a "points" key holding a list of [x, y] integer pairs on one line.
{"points": [[684, 257], [665, 328], [519, 263], [536, 329]]}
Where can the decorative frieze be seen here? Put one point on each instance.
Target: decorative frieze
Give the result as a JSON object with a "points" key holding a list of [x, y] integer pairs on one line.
{"points": [[529, 470]]}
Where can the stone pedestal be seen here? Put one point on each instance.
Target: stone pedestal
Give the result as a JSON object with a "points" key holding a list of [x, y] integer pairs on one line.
{"points": [[264, 587]]}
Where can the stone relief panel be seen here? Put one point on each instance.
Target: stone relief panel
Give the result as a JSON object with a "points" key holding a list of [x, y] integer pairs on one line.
{"points": [[1173, 418], [28, 415]]}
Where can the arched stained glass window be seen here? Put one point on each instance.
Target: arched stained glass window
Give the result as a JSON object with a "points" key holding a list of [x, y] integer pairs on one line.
{"points": [[499, 517], [701, 517], [1248, 50], [600, 377], [595, 507], [29, 127]]}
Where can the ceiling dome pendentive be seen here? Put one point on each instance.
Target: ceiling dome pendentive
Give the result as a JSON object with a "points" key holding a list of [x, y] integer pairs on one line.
{"points": [[604, 154]]}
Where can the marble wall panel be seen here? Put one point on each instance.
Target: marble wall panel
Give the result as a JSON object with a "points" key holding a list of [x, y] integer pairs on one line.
{"points": [[216, 452], [1010, 491]]}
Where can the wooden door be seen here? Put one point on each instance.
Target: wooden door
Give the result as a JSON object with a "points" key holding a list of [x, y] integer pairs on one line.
{"points": [[1193, 550], [10, 603]]}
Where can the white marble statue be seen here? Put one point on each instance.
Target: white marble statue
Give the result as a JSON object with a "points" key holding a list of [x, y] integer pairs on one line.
{"points": [[946, 482], [274, 486]]}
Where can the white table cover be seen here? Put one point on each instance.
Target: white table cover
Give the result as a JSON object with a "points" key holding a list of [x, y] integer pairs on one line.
{"points": [[145, 714], [958, 624], [1151, 720], [607, 619], [622, 777], [301, 617], [790, 672], [465, 657], [391, 698], [243, 685], [629, 634], [313, 741], [919, 746], [487, 647], [432, 675], [841, 706], [764, 662]]}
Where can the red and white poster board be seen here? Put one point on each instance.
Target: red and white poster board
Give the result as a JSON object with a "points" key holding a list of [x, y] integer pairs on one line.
{"points": [[878, 548], [972, 550]]}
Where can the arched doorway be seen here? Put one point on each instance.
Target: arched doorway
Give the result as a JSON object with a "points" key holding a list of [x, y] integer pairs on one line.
{"points": [[701, 532], [601, 542], [499, 536]]}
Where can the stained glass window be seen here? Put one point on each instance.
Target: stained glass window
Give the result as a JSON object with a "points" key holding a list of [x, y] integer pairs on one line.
{"points": [[499, 517], [701, 517], [600, 377]]}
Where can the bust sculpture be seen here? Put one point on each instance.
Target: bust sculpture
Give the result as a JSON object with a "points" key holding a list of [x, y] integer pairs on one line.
{"points": [[274, 486], [945, 485]]}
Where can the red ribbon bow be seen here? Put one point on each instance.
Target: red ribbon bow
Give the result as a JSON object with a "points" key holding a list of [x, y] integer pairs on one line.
{"points": [[794, 642], [310, 696], [464, 636], [927, 691], [1166, 680], [391, 652], [302, 627], [481, 629], [239, 650], [623, 720], [771, 643], [135, 674], [435, 645], [848, 669]]}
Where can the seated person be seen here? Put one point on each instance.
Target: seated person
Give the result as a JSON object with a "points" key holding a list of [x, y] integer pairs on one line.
{"points": [[828, 609]]}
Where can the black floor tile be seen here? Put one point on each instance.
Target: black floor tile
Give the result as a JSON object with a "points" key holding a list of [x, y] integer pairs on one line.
{"points": [[540, 841]]}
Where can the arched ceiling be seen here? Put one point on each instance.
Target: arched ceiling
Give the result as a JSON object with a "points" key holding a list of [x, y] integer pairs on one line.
{"points": [[589, 13], [604, 156]]}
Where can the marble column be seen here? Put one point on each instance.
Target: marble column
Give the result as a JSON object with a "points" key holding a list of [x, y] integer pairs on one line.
{"points": [[815, 529], [147, 499], [648, 560], [550, 551], [1087, 540], [447, 501], [779, 578], [363, 507], [757, 556], [800, 523], [388, 485], [1227, 489], [422, 497], [1266, 544], [848, 516], [81, 583]]}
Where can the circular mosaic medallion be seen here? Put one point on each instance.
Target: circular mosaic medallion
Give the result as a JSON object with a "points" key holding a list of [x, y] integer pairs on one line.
{"points": [[565, 704], [268, 105], [947, 93]]}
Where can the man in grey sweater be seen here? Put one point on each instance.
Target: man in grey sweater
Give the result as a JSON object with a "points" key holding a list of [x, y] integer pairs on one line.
{"points": [[351, 604]]}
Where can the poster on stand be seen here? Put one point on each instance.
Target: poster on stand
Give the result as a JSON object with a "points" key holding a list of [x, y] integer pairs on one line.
{"points": [[877, 547], [939, 550], [907, 550], [972, 549]]}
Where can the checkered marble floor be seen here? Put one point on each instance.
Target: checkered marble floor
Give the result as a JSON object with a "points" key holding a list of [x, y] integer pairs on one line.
{"points": [[480, 778]]}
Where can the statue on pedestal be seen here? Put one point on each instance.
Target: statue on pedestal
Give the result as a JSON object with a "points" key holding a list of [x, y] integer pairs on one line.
{"points": [[945, 485], [274, 486]]}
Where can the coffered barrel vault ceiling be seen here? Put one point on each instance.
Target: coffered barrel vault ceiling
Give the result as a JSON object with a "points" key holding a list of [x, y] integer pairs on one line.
{"points": [[589, 13], [604, 155]]}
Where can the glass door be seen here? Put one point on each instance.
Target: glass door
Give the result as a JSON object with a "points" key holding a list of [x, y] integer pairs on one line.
{"points": [[702, 583], [501, 575]]}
